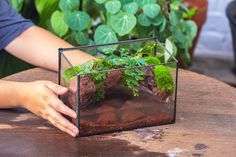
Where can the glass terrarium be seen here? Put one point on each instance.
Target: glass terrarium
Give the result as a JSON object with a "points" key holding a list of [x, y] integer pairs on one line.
{"points": [[131, 84]]}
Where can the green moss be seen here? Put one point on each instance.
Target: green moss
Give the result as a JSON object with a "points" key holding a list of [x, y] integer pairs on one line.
{"points": [[164, 79], [152, 60]]}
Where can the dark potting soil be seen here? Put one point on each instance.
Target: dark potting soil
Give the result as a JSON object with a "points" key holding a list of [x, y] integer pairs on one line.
{"points": [[120, 110]]}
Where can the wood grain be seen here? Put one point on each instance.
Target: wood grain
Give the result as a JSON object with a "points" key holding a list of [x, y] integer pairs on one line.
{"points": [[205, 126]]}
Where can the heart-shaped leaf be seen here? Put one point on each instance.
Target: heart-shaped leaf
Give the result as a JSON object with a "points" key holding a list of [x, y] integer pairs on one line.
{"points": [[123, 23], [131, 8], [68, 5], [158, 20], [82, 38], [104, 35], [192, 27], [143, 20], [141, 3], [77, 20], [113, 6], [58, 24], [151, 10]]}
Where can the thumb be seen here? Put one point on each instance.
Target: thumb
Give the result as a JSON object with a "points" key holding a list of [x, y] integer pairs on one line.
{"points": [[57, 89]]}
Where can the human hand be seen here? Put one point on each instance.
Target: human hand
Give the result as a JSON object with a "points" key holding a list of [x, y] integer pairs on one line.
{"points": [[40, 97]]}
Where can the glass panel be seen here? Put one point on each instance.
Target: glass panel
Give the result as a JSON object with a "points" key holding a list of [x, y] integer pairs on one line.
{"points": [[129, 95], [71, 98]]}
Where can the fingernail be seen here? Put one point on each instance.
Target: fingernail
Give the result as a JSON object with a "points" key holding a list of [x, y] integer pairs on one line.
{"points": [[73, 134], [76, 131], [64, 89], [75, 115]]}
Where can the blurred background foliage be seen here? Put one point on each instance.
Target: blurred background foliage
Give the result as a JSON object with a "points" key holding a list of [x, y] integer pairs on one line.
{"points": [[102, 21]]}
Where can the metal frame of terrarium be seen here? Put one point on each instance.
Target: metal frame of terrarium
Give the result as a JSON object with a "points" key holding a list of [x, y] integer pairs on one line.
{"points": [[77, 110]]}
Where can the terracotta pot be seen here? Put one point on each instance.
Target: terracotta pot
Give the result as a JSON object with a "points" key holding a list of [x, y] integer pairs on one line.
{"points": [[199, 18]]}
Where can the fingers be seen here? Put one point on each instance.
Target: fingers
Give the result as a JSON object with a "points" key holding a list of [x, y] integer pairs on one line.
{"points": [[62, 123], [51, 107], [57, 89], [59, 106], [73, 86], [60, 127]]}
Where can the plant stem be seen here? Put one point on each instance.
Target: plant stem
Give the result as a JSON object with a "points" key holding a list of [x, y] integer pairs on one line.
{"points": [[165, 9], [81, 5]]}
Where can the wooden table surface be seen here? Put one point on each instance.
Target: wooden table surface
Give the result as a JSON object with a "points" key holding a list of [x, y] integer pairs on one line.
{"points": [[205, 126]]}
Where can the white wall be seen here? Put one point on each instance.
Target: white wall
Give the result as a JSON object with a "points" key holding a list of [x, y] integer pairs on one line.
{"points": [[215, 38]]}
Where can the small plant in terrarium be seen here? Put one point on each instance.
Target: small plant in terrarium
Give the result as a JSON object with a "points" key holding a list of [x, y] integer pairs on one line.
{"points": [[127, 88], [131, 77]]}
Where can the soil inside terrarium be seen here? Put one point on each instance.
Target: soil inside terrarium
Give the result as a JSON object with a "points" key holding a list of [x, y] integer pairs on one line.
{"points": [[120, 110]]}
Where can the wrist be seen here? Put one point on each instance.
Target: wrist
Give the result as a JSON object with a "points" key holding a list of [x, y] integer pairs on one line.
{"points": [[18, 90]]}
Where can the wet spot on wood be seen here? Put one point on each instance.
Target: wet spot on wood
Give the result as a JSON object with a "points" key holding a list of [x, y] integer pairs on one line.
{"points": [[175, 152], [200, 146], [197, 155], [150, 134]]}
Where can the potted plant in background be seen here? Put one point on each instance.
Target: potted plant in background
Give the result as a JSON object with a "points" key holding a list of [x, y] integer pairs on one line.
{"points": [[198, 13], [103, 21], [231, 14]]}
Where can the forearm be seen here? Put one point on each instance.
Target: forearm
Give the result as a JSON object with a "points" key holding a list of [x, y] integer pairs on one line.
{"points": [[9, 94], [40, 47]]}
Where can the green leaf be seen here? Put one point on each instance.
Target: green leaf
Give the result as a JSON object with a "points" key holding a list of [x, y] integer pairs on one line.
{"points": [[82, 38], [77, 20], [158, 20], [124, 2], [58, 24], [85, 67], [175, 5], [163, 25], [190, 13], [174, 17], [192, 28], [113, 6], [16, 4], [170, 49], [131, 8], [141, 3], [123, 23], [92, 51], [104, 35], [100, 1], [69, 5], [179, 35], [151, 10], [186, 57], [45, 9], [143, 20]]}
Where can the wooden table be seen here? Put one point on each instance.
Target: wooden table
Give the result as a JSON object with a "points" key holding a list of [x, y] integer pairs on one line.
{"points": [[205, 126]]}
